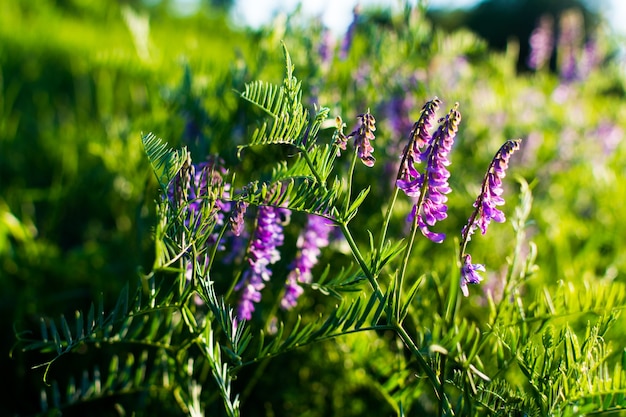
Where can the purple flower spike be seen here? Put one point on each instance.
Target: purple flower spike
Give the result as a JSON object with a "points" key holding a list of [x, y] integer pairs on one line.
{"points": [[432, 186], [263, 252], [409, 179], [485, 210], [491, 194], [237, 217], [469, 274], [362, 137], [346, 43], [541, 43], [314, 237]]}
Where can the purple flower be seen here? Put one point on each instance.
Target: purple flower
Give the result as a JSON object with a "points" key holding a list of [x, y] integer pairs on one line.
{"points": [[490, 196], [199, 185], [541, 43], [485, 210], [314, 237], [569, 42], [346, 43], [339, 138], [469, 274], [326, 47], [396, 112], [431, 186], [362, 137], [262, 253], [237, 217]]}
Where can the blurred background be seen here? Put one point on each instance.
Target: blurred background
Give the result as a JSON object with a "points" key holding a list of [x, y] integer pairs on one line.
{"points": [[80, 81]]}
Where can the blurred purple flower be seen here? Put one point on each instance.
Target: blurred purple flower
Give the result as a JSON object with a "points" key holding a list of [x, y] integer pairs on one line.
{"points": [[432, 186], [326, 46], [195, 187], [541, 43], [314, 237], [589, 59], [397, 114], [237, 217], [569, 42], [262, 253], [346, 43]]}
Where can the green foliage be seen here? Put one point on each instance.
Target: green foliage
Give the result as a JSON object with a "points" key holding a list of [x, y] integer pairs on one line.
{"points": [[382, 329]]}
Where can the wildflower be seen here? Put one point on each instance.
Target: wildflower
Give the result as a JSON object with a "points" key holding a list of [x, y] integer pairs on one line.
{"points": [[469, 274], [409, 179], [198, 186], [431, 186], [263, 252], [339, 138], [362, 137], [541, 44], [569, 42], [314, 237], [486, 210], [491, 192], [326, 47], [237, 217], [346, 43], [396, 110]]}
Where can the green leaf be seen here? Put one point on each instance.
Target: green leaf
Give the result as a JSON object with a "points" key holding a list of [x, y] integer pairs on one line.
{"points": [[165, 161]]}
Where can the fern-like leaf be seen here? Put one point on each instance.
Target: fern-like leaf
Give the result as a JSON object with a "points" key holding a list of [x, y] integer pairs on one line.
{"points": [[165, 161], [123, 376], [282, 103]]}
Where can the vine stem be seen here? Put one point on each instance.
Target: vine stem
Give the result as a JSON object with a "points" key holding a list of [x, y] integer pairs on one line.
{"points": [[387, 219], [396, 325], [308, 161], [436, 382]]}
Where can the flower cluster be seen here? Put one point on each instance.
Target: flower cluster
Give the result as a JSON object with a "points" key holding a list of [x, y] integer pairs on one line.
{"points": [[429, 187], [237, 217], [541, 44], [346, 43], [314, 237], [486, 210], [469, 273], [362, 137], [262, 253], [197, 187]]}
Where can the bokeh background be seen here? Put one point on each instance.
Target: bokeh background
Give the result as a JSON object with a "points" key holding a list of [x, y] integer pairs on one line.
{"points": [[80, 81]]}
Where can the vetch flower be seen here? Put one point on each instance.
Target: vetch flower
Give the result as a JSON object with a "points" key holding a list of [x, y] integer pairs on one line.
{"points": [[362, 137], [469, 274], [485, 210], [314, 237], [490, 195], [263, 252], [198, 186], [346, 43], [541, 44], [571, 28], [237, 217], [431, 186], [339, 138]]}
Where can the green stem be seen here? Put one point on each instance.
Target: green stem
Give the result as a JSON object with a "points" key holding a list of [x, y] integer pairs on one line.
{"points": [[387, 219], [430, 374], [308, 161], [361, 261], [349, 192]]}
